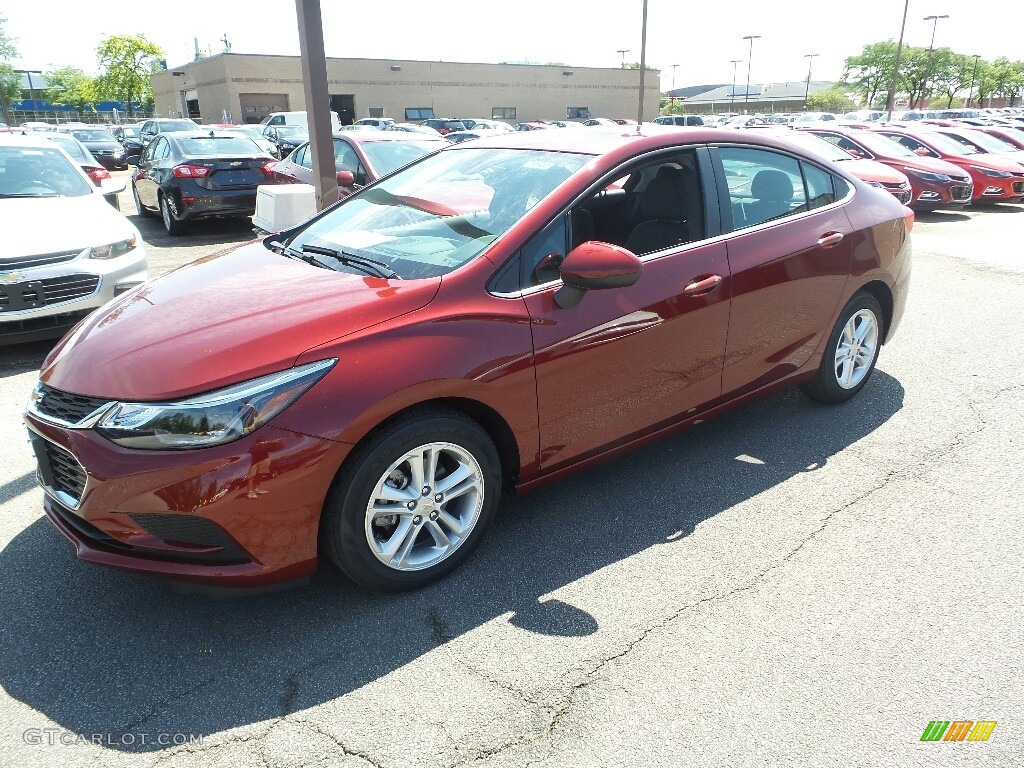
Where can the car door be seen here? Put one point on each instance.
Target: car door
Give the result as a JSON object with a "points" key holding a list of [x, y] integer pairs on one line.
{"points": [[148, 179], [789, 257], [627, 361]]}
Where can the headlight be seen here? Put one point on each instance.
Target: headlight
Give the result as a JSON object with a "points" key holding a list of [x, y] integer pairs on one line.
{"points": [[875, 184], [991, 173], [210, 419], [113, 250], [927, 176]]}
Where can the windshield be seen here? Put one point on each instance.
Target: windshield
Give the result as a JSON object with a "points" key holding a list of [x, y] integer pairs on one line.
{"points": [[819, 145], [442, 212], [170, 126], [388, 156], [130, 132], [252, 133], [882, 145], [39, 172], [947, 145], [292, 131], [94, 134], [223, 146], [986, 141]]}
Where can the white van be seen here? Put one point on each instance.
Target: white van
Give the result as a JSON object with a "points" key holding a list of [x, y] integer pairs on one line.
{"points": [[296, 118]]}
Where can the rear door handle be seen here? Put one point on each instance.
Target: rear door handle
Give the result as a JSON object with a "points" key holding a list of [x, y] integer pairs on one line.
{"points": [[701, 285], [831, 240]]}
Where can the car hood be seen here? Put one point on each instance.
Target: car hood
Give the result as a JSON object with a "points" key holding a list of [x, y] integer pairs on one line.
{"points": [[872, 170], [85, 221], [221, 320], [929, 164]]}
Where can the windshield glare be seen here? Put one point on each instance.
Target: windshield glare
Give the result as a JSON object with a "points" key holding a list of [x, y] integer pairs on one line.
{"points": [[883, 145], [442, 212], [949, 146], [39, 172], [388, 156], [986, 141], [94, 134], [819, 145]]}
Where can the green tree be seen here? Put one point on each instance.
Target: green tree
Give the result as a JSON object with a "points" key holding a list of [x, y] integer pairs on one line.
{"points": [[832, 99], [1007, 79], [10, 88], [951, 73], [72, 87], [870, 72], [126, 62]]}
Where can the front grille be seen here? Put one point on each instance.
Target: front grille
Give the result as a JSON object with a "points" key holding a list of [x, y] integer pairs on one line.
{"points": [[904, 196], [37, 260], [960, 193], [62, 472], [47, 291], [20, 329], [65, 406]]}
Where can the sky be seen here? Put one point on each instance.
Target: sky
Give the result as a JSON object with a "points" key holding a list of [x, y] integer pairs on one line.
{"points": [[701, 38]]}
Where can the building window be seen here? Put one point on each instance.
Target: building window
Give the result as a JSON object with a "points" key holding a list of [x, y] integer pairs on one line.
{"points": [[418, 113], [503, 113], [376, 112], [577, 113]]}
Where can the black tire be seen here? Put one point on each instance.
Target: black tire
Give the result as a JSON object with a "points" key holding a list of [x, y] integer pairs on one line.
{"points": [[171, 224], [344, 530], [826, 387], [143, 210]]}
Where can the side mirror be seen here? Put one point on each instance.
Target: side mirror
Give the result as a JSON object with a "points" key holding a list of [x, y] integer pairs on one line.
{"points": [[346, 178], [112, 186], [595, 266]]}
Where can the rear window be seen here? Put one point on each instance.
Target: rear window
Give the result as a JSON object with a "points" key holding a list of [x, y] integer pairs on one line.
{"points": [[94, 134], [213, 146], [177, 125]]}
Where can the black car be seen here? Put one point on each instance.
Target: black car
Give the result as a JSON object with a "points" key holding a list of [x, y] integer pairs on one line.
{"points": [[444, 125], [286, 138], [100, 142], [198, 175], [130, 137]]}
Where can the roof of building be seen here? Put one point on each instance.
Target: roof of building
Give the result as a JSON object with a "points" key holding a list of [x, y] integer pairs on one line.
{"points": [[787, 91]]}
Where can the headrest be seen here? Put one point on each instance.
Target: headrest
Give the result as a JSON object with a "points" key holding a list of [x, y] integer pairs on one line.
{"points": [[772, 185]]}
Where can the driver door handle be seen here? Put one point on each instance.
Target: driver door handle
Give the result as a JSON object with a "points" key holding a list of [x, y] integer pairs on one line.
{"points": [[702, 285], [831, 240]]}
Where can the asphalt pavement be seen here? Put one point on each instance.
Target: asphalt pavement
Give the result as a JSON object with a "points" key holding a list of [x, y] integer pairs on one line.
{"points": [[790, 585]]}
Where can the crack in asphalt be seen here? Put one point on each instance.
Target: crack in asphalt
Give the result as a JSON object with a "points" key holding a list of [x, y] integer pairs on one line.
{"points": [[346, 750], [566, 702]]}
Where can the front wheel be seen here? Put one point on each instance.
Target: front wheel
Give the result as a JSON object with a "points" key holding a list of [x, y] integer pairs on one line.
{"points": [[851, 353], [413, 502], [171, 224]]}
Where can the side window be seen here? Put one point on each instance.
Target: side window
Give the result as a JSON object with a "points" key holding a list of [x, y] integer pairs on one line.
{"points": [[345, 157], [303, 157], [163, 149], [543, 254], [763, 185], [820, 186], [910, 143], [276, 120]]}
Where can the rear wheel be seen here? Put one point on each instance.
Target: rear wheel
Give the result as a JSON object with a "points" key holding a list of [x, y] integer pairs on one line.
{"points": [[414, 501], [851, 353], [171, 224]]}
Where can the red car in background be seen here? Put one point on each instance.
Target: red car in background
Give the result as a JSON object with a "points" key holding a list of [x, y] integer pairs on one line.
{"points": [[876, 174], [985, 143], [1005, 132], [935, 183], [995, 178], [360, 157]]}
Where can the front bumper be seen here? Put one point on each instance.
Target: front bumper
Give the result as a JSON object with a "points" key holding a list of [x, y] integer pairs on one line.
{"points": [[242, 514], [45, 301]]}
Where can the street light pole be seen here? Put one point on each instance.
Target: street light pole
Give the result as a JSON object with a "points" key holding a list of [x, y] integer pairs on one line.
{"points": [[750, 57], [732, 96], [674, 68], [807, 88], [622, 52], [931, 49], [974, 75], [896, 66], [643, 69]]}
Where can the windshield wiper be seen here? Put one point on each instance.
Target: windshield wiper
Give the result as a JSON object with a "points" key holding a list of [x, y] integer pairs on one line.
{"points": [[371, 267]]}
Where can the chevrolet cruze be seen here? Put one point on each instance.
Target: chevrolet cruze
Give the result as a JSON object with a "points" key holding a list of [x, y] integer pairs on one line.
{"points": [[364, 387]]}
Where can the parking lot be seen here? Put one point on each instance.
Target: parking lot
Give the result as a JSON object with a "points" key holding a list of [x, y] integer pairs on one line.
{"points": [[792, 584]]}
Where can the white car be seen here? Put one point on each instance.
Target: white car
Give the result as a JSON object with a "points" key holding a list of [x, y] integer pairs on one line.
{"points": [[65, 250]]}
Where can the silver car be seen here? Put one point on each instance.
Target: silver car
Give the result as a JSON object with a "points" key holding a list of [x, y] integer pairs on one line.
{"points": [[65, 251]]}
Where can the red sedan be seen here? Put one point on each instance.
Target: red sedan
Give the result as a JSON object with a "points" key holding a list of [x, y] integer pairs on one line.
{"points": [[935, 183], [995, 178], [360, 157], [1005, 132], [365, 386]]}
